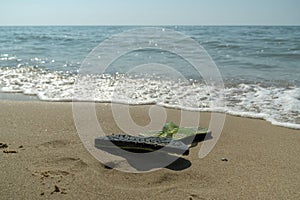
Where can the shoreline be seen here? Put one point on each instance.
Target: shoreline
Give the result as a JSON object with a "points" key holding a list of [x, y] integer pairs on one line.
{"points": [[51, 162], [8, 96]]}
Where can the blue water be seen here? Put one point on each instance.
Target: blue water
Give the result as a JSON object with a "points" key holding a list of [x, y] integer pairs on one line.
{"points": [[251, 52], [260, 65]]}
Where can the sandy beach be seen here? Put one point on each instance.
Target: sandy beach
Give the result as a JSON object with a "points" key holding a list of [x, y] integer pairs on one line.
{"points": [[42, 157]]}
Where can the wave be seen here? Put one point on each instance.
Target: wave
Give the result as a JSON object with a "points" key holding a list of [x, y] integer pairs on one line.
{"points": [[279, 104], [42, 38]]}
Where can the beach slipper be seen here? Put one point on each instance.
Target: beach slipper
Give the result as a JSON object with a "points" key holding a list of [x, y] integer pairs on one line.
{"points": [[141, 144], [174, 139]]}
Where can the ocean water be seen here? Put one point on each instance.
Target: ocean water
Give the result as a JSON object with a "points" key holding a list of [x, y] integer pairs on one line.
{"points": [[260, 67]]}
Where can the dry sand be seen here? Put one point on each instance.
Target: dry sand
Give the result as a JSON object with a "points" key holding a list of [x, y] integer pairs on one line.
{"points": [[46, 159]]}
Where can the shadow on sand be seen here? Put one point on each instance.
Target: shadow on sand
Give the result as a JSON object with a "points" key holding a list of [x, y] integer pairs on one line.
{"points": [[149, 162]]}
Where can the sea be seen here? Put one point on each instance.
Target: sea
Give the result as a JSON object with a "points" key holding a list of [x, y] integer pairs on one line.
{"points": [[259, 65]]}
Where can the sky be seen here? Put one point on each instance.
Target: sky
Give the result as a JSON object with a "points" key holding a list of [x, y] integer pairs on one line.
{"points": [[149, 12]]}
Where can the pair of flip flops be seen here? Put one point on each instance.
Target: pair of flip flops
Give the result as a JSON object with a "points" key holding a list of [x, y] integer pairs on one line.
{"points": [[171, 139]]}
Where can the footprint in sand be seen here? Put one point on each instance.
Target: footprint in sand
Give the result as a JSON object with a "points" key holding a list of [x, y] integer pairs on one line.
{"points": [[53, 170], [50, 163], [58, 167]]}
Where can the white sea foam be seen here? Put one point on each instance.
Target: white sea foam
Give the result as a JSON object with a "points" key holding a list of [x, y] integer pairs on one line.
{"points": [[278, 105]]}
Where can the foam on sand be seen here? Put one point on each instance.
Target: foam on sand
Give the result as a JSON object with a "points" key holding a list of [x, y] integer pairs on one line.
{"points": [[276, 104]]}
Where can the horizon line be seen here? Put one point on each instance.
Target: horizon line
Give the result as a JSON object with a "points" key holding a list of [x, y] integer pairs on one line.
{"points": [[149, 25]]}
